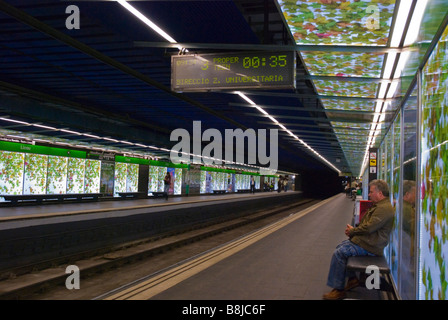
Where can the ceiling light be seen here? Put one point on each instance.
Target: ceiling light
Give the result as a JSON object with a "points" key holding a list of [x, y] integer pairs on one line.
{"points": [[148, 22], [45, 127], [414, 26], [382, 91], [42, 140], [375, 119], [404, 56], [378, 107], [392, 89], [390, 61], [273, 119], [109, 139], [69, 131], [145, 20], [91, 136], [242, 95], [15, 121], [400, 22], [18, 137]]}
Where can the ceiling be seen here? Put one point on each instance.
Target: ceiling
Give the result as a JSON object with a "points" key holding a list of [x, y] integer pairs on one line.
{"points": [[107, 84]]}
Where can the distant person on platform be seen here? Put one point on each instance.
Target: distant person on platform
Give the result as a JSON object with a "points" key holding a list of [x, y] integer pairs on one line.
{"points": [[280, 184], [167, 182], [369, 238], [252, 184]]}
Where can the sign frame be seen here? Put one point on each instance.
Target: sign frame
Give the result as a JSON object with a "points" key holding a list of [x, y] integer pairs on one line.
{"points": [[233, 71]]}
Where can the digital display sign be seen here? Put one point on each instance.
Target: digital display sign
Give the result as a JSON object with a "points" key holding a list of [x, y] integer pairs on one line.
{"points": [[254, 70]]}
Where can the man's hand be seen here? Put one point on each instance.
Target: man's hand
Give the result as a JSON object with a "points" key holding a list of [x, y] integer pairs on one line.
{"points": [[347, 230]]}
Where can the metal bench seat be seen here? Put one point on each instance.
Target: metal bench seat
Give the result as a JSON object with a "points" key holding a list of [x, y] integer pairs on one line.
{"points": [[360, 263]]}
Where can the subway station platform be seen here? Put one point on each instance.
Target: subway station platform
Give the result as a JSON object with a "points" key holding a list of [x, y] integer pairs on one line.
{"points": [[118, 207], [33, 234], [288, 260]]}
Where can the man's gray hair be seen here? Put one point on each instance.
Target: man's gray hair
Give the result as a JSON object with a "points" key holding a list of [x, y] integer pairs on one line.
{"points": [[381, 185], [408, 185]]}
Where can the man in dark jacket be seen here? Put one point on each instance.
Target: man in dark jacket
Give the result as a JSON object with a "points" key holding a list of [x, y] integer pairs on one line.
{"points": [[370, 237], [167, 182]]}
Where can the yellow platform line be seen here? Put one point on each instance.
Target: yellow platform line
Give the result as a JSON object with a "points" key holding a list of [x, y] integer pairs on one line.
{"points": [[165, 280]]}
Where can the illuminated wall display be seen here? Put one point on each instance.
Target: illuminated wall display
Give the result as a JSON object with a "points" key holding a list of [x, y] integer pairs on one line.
{"points": [[76, 170], [64, 171], [434, 174], [343, 64], [262, 70], [92, 176], [339, 22], [153, 183], [35, 180], [11, 172], [57, 175]]}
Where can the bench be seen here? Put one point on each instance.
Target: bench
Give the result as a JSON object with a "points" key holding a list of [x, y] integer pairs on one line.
{"points": [[219, 191], [158, 194], [360, 264], [132, 195], [39, 198]]}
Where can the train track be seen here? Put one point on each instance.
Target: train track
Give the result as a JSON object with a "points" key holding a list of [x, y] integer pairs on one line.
{"points": [[112, 263]]}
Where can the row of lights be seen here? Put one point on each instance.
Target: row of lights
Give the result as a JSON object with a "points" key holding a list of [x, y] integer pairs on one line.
{"points": [[242, 95], [255, 168], [75, 133]]}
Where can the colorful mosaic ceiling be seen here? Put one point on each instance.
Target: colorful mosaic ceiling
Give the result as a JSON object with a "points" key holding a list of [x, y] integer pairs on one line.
{"points": [[345, 74]]}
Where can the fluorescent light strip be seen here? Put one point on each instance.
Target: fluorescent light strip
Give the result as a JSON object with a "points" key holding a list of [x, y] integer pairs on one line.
{"points": [[390, 61], [414, 26], [145, 20], [148, 22], [69, 131], [16, 121], [392, 89], [45, 127], [404, 56], [91, 136], [109, 139], [243, 96], [400, 22], [18, 137], [75, 133]]}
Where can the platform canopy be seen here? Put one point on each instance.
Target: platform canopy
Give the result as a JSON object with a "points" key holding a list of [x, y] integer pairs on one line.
{"points": [[97, 74]]}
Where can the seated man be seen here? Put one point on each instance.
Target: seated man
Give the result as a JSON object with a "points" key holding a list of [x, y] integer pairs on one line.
{"points": [[369, 238]]}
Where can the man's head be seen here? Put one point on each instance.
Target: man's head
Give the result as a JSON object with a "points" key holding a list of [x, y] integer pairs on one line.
{"points": [[378, 190], [409, 191]]}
